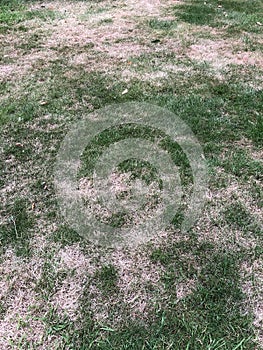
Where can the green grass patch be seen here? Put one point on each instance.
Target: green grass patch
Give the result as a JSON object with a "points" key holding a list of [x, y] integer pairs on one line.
{"points": [[237, 216], [215, 303], [233, 16], [65, 236], [238, 163], [107, 277], [159, 24], [16, 12], [98, 145], [51, 279], [16, 232]]}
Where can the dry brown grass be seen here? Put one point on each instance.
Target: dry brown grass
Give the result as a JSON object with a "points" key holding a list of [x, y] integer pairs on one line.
{"points": [[22, 321], [221, 53], [88, 41], [78, 267], [252, 287]]}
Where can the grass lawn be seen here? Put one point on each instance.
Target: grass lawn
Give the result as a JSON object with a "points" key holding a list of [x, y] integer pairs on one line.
{"points": [[60, 61]]}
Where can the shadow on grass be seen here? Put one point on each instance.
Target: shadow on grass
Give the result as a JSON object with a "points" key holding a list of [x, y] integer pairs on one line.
{"points": [[235, 16]]}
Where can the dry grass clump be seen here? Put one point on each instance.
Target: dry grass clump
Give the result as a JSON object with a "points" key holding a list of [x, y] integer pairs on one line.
{"points": [[253, 287], [78, 267], [21, 321], [220, 53]]}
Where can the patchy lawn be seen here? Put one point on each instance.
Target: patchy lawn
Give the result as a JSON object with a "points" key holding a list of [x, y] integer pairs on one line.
{"points": [[202, 60]]}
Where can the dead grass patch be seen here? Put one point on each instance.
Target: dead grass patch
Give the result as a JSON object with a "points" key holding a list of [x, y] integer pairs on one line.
{"points": [[221, 53], [79, 268], [79, 38], [253, 288], [117, 40], [21, 321], [138, 276]]}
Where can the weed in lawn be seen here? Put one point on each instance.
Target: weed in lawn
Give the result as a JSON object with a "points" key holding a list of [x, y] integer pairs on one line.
{"points": [[57, 324], [2, 310], [19, 152]]}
